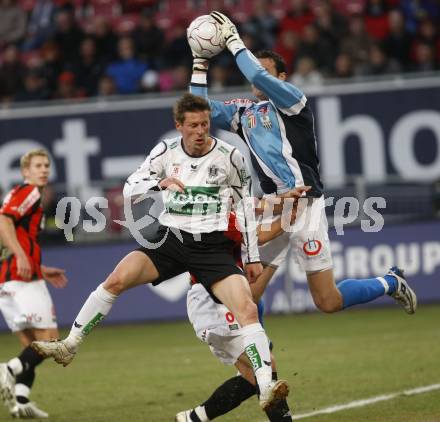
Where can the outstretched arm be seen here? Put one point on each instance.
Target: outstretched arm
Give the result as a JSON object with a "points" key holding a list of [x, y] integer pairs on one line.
{"points": [[224, 115], [284, 95]]}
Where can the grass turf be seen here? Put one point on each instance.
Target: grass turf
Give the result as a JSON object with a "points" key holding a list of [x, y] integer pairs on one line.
{"points": [[150, 372]]}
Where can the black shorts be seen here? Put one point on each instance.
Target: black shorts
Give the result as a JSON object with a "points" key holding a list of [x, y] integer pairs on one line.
{"points": [[209, 259]]}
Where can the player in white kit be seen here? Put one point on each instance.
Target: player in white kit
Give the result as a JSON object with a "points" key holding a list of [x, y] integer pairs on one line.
{"points": [[200, 176]]}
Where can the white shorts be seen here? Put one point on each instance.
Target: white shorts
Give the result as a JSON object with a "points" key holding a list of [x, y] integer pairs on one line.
{"points": [[215, 325], [308, 238], [273, 253], [27, 305]]}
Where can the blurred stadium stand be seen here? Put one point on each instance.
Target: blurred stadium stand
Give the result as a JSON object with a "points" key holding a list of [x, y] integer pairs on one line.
{"points": [[319, 39]]}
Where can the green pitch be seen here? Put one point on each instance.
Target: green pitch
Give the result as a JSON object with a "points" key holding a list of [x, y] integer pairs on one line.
{"points": [[150, 372]]}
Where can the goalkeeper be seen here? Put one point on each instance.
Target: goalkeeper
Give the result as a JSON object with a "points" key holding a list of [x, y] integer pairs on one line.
{"points": [[279, 132]]}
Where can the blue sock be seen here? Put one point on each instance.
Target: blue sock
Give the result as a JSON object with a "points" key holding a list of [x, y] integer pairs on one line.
{"points": [[360, 291], [392, 283]]}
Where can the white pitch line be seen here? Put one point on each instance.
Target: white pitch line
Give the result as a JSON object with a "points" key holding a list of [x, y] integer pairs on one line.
{"points": [[366, 402]]}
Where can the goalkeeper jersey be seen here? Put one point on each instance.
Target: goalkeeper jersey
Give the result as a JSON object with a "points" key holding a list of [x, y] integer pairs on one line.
{"points": [[279, 132], [214, 183]]}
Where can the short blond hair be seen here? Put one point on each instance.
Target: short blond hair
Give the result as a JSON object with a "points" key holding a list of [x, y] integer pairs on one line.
{"points": [[25, 160]]}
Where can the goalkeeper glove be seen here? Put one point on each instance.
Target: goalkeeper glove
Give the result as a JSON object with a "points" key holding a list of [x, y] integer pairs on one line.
{"points": [[199, 63], [229, 32]]}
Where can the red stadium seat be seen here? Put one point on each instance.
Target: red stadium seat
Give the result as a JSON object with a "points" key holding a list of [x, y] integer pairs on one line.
{"points": [[377, 26]]}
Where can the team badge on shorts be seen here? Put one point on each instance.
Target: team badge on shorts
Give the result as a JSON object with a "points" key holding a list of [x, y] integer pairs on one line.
{"points": [[312, 247]]}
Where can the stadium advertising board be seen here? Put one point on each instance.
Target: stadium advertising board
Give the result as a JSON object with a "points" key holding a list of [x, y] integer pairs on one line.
{"points": [[377, 130], [415, 247]]}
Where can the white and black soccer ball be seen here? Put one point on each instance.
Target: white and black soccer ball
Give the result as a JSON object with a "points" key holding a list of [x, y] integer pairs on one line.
{"points": [[204, 36]]}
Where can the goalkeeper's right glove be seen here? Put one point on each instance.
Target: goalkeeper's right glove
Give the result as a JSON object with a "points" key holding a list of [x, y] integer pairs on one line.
{"points": [[229, 32]]}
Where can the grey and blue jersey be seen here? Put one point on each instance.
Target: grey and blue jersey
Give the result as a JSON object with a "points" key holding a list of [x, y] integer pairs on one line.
{"points": [[279, 132]]}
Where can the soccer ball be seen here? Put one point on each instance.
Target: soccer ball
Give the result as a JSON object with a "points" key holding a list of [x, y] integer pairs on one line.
{"points": [[204, 36]]}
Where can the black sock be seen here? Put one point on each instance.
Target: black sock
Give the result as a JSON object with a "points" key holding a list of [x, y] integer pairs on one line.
{"points": [[26, 377], [30, 358], [280, 412], [228, 396]]}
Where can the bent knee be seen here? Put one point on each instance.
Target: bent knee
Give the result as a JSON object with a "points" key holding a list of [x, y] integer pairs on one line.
{"points": [[249, 312], [328, 305], [115, 283]]}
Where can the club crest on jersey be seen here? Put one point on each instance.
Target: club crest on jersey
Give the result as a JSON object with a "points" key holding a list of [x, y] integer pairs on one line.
{"points": [[213, 173], [251, 119], [312, 247], [263, 112], [175, 172]]}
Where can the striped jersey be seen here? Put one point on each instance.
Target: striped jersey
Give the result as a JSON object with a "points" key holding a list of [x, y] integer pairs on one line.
{"points": [[279, 132], [214, 183], [23, 205]]}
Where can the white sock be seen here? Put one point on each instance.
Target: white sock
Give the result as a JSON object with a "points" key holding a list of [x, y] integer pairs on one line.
{"points": [[22, 390], [201, 413], [257, 350], [15, 366], [96, 307]]}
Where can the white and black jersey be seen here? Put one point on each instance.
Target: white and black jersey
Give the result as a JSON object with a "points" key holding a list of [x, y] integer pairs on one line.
{"points": [[213, 183]]}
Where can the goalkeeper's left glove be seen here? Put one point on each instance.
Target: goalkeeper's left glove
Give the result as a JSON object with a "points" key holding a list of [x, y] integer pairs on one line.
{"points": [[229, 32]]}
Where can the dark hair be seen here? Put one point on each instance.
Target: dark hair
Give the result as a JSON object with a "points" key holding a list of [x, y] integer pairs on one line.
{"points": [[280, 64], [189, 102]]}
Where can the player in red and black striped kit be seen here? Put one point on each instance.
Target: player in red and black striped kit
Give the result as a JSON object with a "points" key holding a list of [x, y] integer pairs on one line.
{"points": [[23, 206], [25, 301]]}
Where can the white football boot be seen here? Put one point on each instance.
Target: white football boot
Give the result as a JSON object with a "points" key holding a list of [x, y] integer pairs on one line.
{"points": [[56, 349], [183, 416], [276, 391], [404, 295], [7, 386], [28, 411]]}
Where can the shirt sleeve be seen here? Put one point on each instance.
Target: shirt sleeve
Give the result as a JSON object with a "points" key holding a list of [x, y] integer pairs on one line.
{"points": [[224, 114], [287, 98], [19, 203], [240, 182], [147, 177]]}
